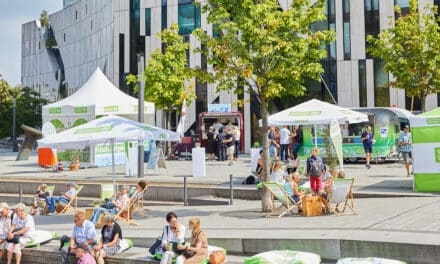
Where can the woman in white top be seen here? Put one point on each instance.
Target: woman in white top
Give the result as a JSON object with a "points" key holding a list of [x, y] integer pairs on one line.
{"points": [[237, 136], [173, 233], [294, 163], [278, 173], [22, 226]]}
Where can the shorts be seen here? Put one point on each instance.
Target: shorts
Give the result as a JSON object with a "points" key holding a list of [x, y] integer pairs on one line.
{"points": [[296, 198], [368, 148], [230, 150], [405, 157]]}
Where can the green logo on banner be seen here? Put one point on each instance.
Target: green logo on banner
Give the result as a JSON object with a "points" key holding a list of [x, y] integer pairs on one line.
{"points": [[80, 110], [308, 113], [109, 109], [93, 130], [55, 110], [433, 121], [437, 155]]}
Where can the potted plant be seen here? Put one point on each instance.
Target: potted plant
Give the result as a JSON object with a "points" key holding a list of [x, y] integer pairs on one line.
{"points": [[331, 159], [72, 156]]}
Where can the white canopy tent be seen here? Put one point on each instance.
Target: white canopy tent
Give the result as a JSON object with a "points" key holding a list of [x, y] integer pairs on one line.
{"points": [[97, 97], [315, 112], [108, 129]]}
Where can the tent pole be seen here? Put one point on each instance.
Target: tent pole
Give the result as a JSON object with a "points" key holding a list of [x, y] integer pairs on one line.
{"points": [[112, 144], [314, 134]]}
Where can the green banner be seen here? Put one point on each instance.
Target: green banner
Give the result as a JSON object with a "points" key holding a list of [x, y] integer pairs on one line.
{"points": [[92, 130], [305, 113], [427, 182], [278, 192], [335, 135], [80, 110], [110, 109], [55, 110], [425, 134]]}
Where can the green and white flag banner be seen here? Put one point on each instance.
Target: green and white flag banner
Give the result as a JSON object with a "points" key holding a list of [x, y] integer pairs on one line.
{"points": [[335, 135]]}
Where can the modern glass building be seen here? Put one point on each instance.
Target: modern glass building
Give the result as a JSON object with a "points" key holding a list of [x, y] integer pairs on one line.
{"points": [[109, 34]]}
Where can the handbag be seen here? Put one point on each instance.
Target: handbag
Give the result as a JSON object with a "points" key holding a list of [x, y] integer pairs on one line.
{"points": [[16, 238], [157, 246], [188, 253], [217, 257]]}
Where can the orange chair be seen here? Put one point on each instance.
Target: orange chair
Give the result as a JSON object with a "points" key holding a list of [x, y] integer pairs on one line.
{"points": [[46, 158]]}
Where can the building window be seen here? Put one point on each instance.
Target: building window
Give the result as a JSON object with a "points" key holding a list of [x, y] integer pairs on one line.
{"points": [[189, 16], [76, 15], [186, 40], [64, 37], [362, 83], [164, 15], [215, 31], [121, 62], [404, 7], [372, 22], [91, 24], [147, 21], [86, 9], [346, 25], [381, 90], [415, 102], [329, 24], [39, 45]]}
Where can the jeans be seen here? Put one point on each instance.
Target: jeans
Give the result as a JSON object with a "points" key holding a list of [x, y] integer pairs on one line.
{"points": [[272, 151], [295, 147], [52, 201], [221, 153], [65, 253], [237, 145], [97, 212], [284, 151]]}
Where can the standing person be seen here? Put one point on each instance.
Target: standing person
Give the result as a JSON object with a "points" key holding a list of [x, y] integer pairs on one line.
{"points": [[229, 143], [197, 251], [272, 142], [284, 142], [278, 146], [405, 141], [83, 255], [315, 167], [237, 136], [368, 139], [173, 233], [6, 216], [230, 125], [293, 163], [296, 138], [83, 233], [19, 233], [210, 148], [64, 198], [217, 125], [110, 243], [221, 155]]}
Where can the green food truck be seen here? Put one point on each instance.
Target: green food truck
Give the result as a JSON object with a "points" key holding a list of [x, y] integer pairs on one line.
{"points": [[386, 123]]}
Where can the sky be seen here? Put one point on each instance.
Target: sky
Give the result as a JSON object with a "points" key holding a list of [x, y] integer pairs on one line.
{"points": [[14, 13]]}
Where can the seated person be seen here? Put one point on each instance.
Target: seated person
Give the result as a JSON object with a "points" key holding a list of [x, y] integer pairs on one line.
{"points": [[40, 195], [110, 243], [19, 233], [260, 165], [64, 198], [112, 207], [83, 255], [197, 251], [136, 196], [83, 233], [173, 232], [294, 163], [6, 216], [326, 179], [291, 187], [278, 173]]}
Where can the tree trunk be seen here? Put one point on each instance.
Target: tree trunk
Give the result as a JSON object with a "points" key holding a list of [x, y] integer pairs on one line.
{"points": [[423, 101], [266, 199]]}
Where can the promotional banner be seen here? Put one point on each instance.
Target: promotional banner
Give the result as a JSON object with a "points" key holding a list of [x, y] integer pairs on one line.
{"points": [[335, 135], [181, 126]]}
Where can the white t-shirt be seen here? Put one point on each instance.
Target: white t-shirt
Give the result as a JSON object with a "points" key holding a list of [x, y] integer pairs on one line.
{"points": [[284, 136], [277, 176], [237, 135], [169, 236], [28, 221]]}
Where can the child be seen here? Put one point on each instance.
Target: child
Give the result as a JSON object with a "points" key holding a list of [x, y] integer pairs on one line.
{"points": [[40, 195], [291, 187]]}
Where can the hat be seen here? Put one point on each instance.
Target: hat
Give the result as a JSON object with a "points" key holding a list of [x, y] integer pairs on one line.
{"points": [[3, 206], [406, 126], [70, 184], [83, 246]]}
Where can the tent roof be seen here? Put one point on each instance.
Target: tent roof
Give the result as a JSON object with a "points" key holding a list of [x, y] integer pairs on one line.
{"points": [[100, 92], [104, 129], [316, 112], [435, 112]]}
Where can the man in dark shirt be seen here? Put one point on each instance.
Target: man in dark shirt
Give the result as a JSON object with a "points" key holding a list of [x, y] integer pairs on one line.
{"points": [[368, 139], [221, 148]]}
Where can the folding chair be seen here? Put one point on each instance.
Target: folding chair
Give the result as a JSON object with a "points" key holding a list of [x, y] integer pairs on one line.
{"points": [[283, 197], [135, 205], [78, 189], [342, 192]]}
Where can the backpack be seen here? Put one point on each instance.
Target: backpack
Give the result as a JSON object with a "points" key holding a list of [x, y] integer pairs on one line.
{"points": [[315, 167], [249, 180]]}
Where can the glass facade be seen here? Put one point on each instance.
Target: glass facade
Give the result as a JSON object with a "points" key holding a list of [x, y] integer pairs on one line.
{"points": [[147, 21], [137, 42], [404, 7], [122, 83], [189, 16], [372, 22], [346, 28], [381, 90], [164, 21], [362, 83]]}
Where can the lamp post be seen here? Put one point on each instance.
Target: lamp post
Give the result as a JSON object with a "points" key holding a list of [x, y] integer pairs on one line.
{"points": [[14, 129], [140, 60]]}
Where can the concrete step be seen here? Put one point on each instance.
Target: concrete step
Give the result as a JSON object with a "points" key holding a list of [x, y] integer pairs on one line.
{"points": [[13, 198], [208, 200]]}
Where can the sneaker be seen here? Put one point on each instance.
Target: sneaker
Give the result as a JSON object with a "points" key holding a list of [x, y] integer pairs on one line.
{"points": [[408, 175], [368, 166], [50, 214], [230, 163]]}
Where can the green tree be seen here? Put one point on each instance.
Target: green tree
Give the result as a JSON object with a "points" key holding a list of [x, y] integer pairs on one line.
{"points": [[4, 89], [167, 73], [410, 50], [267, 50], [44, 19]]}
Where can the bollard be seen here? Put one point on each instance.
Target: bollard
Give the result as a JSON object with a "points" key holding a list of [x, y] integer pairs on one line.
{"points": [[231, 190], [20, 193], [185, 192]]}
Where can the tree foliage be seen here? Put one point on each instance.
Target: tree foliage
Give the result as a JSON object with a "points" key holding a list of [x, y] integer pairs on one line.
{"points": [[410, 50], [29, 105], [4, 89], [268, 51], [167, 74]]}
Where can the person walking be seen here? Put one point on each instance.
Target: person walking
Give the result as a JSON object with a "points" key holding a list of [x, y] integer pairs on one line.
{"points": [[272, 143], [405, 141], [315, 167], [368, 139], [296, 138], [237, 136], [284, 142], [221, 148]]}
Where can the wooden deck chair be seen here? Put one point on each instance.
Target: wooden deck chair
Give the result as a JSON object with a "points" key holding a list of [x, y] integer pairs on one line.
{"points": [[342, 193], [287, 203], [135, 205], [74, 200]]}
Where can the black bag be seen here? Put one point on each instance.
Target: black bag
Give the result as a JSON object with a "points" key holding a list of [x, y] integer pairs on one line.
{"points": [[16, 238], [157, 246], [249, 180], [188, 253], [315, 167]]}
